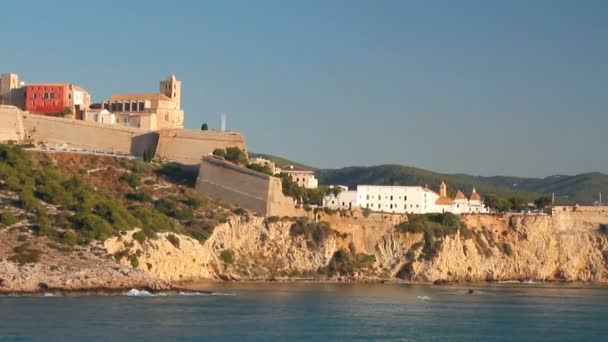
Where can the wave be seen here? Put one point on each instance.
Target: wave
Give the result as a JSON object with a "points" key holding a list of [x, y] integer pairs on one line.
{"points": [[142, 293], [424, 297]]}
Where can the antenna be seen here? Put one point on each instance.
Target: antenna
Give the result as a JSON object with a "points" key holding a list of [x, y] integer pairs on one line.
{"points": [[600, 202], [223, 120], [553, 198]]}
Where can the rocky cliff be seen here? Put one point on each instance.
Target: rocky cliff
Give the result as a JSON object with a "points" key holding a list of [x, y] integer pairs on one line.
{"points": [[568, 246]]}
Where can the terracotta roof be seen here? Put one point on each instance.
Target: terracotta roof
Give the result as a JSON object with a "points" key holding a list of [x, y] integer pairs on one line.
{"points": [[443, 201], [139, 97], [475, 196], [79, 88], [460, 195]]}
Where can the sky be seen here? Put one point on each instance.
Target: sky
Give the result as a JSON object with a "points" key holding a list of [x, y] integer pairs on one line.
{"points": [[481, 87]]}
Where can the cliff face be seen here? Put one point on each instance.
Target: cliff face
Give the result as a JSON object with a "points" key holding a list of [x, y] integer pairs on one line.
{"points": [[564, 247]]}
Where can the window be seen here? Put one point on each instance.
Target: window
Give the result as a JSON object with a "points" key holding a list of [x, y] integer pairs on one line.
{"points": [[405, 198], [391, 197], [367, 197], [141, 106], [166, 117]]}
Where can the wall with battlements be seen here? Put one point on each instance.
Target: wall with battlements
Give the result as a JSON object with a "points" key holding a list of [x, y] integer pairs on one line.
{"points": [[188, 146], [182, 146], [248, 189], [88, 135]]}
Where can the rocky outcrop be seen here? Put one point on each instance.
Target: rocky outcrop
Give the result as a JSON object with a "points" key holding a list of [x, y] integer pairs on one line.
{"points": [[511, 247]]}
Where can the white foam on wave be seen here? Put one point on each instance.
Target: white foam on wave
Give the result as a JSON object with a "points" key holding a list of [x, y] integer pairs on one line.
{"points": [[424, 297], [142, 293], [50, 295]]}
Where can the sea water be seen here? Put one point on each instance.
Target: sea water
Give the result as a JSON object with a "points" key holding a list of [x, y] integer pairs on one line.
{"points": [[316, 312]]}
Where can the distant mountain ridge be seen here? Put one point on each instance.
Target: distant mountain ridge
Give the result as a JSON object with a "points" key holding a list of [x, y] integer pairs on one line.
{"points": [[582, 189]]}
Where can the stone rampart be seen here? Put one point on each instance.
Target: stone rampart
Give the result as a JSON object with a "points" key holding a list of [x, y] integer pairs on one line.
{"points": [[248, 189], [88, 135], [11, 124], [178, 145], [188, 146]]}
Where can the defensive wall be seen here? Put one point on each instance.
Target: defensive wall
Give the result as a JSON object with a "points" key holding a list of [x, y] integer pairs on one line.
{"points": [[591, 214], [188, 146], [246, 188], [182, 146]]}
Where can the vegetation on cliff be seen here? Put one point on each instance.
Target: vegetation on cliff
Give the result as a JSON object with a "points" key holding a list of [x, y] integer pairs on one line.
{"points": [[435, 227], [83, 200]]}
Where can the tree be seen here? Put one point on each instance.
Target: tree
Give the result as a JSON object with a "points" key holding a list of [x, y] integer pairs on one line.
{"points": [[497, 203], [204, 127], [542, 201], [236, 155], [518, 203]]}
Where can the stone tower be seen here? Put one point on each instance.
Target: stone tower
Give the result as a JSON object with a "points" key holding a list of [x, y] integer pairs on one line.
{"points": [[172, 88], [443, 189], [8, 83]]}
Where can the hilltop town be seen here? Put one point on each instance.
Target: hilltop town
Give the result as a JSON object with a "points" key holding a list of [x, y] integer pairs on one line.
{"points": [[142, 201]]}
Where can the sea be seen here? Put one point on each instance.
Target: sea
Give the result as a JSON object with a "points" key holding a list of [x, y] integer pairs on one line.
{"points": [[315, 312]]}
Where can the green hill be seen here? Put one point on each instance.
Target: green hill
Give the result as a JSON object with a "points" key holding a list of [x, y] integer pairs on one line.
{"points": [[279, 161], [581, 189]]}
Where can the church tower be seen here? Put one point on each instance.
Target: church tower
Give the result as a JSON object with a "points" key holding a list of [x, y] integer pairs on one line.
{"points": [[443, 189], [172, 88]]}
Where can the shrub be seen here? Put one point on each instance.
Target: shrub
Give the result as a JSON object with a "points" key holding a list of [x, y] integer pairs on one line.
{"points": [[227, 256], [133, 260], [314, 233], [506, 248], [265, 169], [139, 196], [7, 218], [236, 155], [345, 263], [174, 240], [219, 152], [22, 238], [240, 212], [149, 182], [24, 254], [139, 236], [95, 227], [133, 179], [366, 212], [153, 221], [69, 237]]}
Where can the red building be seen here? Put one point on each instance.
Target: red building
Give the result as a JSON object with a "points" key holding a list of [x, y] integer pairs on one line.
{"points": [[47, 98]]}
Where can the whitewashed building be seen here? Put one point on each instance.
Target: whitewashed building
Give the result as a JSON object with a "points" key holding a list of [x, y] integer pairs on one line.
{"points": [[99, 115], [345, 200], [407, 200]]}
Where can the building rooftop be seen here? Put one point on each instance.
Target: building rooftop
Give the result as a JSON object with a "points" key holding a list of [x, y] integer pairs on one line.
{"points": [[291, 168], [139, 97]]}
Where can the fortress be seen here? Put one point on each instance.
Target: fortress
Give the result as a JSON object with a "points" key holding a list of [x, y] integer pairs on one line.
{"points": [[249, 189]]}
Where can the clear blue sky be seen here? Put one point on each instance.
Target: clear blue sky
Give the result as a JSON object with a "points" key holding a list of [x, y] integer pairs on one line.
{"points": [[482, 87]]}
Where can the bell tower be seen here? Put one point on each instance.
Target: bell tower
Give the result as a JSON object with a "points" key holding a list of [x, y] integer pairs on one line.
{"points": [[443, 189], [172, 88]]}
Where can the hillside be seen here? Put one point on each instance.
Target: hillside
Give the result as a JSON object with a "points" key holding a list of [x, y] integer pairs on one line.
{"points": [[581, 189]]}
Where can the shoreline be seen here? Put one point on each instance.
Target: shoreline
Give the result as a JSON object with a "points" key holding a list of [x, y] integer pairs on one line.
{"points": [[189, 287]]}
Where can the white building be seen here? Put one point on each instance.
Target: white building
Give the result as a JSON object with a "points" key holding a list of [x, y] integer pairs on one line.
{"points": [[407, 200], [99, 115], [304, 178], [345, 200]]}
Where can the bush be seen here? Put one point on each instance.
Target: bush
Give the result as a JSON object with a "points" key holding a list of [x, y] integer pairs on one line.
{"points": [[153, 221], [219, 152], [7, 218], [24, 254], [227, 256], [139, 196], [95, 227], [69, 237], [434, 227], [345, 263], [236, 155], [133, 179], [265, 169], [314, 233], [506, 248], [366, 212], [174, 240], [139, 236]]}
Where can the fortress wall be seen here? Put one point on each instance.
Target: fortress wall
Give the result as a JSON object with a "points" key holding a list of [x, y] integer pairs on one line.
{"points": [[88, 135], [591, 214], [11, 124], [248, 189], [243, 187], [188, 146]]}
